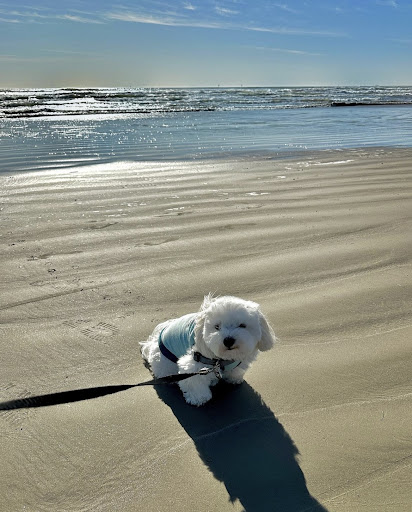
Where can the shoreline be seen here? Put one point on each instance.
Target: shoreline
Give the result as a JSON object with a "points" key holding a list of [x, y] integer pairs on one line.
{"points": [[93, 257], [224, 157]]}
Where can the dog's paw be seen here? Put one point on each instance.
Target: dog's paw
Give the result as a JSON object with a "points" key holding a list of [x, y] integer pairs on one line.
{"points": [[197, 398], [195, 390]]}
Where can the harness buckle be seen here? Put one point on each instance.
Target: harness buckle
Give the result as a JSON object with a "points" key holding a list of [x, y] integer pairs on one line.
{"points": [[217, 370], [205, 371]]}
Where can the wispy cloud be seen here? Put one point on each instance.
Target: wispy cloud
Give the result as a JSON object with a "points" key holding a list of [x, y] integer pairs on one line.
{"points": [[189, 6], [155, 19], [296, 31], [44, 15], [79, 19], [160, 13], [221, 24], [222, 11], [286, 8], [285, 50], [13, 16], [9, 20]]}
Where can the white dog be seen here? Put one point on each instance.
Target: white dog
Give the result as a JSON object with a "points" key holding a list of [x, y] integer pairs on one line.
{"points": [[221, 341]]}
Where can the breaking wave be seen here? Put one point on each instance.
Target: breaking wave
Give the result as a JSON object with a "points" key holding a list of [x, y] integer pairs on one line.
{"points": [[20, 103]]}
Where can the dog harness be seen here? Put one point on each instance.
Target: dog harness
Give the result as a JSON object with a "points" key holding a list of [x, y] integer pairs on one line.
{"points": [[179, 336]]}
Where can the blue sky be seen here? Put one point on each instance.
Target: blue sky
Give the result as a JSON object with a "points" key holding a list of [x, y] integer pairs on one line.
{"points": [[205, 43]]}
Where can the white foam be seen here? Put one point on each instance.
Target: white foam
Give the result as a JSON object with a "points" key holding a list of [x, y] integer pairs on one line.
{"points": [[337, 162]]}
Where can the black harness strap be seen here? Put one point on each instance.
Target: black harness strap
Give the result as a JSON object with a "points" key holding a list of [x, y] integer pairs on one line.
{"points": [[166, 352], [221, 363]]}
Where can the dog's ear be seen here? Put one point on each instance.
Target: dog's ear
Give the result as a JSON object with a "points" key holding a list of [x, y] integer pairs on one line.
{"points": [[207, 301], [199, 325], [268, 336], [200, 319]]}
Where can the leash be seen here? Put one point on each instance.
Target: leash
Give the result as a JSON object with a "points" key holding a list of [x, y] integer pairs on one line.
{"points": [[171, 379], [78, 395], [217, 366]]}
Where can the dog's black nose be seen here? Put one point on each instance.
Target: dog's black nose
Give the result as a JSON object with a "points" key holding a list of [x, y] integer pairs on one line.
{"points": [[229, 341]]}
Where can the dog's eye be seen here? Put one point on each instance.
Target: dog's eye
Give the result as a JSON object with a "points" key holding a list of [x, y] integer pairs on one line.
{"points": [[243, 326], [217, 327]]}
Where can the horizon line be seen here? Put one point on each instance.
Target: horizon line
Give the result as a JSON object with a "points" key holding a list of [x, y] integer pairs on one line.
{"points": [[241, 86]]}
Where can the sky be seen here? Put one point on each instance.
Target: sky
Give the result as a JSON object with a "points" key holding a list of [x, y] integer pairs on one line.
{"points": [[189, 43]]}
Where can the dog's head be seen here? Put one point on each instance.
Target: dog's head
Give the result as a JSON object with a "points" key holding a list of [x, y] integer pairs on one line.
{"points": [[232, 328]]}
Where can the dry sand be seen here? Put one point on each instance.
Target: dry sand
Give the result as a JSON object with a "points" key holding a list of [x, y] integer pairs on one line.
{"points": [[93, 257]]}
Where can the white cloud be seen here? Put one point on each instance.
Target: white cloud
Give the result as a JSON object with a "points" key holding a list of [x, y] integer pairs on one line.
{"points": [[9, 20], [286, 8], [285, 50], [180, 21], [296, 31], [219, 19], [78, 19], [19, 16], [222, 11], [33, 16], [132, 17]]}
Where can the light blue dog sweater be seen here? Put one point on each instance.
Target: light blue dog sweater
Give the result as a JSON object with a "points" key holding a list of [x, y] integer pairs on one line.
{"points": [[179, 336]]}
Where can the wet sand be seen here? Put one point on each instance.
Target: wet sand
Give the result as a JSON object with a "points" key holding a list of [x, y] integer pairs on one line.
{"points": [[94, 257]]}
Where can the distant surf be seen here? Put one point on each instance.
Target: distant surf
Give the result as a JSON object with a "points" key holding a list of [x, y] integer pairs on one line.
{"points": [[16, 103]]}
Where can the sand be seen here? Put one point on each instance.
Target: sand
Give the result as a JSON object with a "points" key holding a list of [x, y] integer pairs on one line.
{"points": [[94, 257]]}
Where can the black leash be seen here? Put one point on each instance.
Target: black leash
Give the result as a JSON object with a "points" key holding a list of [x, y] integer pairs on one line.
{"points": [[78, 395], [216, 366], [171, 379]]}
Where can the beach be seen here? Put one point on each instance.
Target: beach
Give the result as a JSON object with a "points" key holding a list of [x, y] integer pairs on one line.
{"points": [[94, 256]]}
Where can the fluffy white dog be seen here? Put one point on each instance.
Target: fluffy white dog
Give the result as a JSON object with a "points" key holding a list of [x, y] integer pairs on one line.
{"points": [[220, 341]]}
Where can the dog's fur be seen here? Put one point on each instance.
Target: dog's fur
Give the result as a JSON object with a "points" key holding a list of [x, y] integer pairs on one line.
{"points": [[218, 318]]}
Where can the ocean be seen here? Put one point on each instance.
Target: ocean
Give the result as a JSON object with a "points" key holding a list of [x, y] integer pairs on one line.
{"points": [[59, 128]]}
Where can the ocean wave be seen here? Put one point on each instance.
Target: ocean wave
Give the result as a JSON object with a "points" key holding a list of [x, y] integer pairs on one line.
{"points": [[151, 101]]}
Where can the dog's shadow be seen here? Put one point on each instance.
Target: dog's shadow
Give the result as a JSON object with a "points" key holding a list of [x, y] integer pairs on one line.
{"points": [[243, 444]]}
